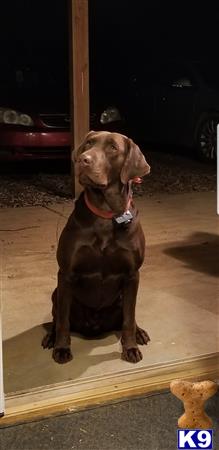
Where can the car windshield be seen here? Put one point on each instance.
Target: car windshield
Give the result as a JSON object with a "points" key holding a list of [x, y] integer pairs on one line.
{"points": [[25, 86]]}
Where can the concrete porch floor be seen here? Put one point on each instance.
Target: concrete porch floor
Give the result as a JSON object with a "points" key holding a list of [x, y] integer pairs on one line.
{"points": [[177, 300]]}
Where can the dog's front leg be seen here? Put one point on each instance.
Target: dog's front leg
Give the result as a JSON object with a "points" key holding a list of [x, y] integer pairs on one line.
{"points": [[130, 350], [62, 352]]}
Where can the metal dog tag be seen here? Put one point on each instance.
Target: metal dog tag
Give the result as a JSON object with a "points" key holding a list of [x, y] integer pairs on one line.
{"points": [[125, 218]]}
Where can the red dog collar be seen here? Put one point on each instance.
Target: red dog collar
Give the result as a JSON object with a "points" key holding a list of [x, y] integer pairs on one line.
{"points": [[101, 212], [110, 214], [98, 212]]}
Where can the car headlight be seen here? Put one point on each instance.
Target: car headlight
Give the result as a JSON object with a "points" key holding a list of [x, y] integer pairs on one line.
{"points": [[12, 117], [111, 114]]}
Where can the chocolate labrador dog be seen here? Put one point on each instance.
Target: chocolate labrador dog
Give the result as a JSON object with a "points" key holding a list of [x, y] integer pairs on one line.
{"points": [[101, 249]]}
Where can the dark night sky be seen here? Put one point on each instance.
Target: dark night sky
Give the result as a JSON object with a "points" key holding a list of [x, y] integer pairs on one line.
{"points": [[161, 27], [34, 30], [125, 30]]}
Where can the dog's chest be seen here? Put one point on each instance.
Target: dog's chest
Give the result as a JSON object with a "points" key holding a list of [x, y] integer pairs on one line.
{"points": [[101, 243], [104, 254]]}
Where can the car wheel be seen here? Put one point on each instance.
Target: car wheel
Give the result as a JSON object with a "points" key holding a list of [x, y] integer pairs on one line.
{"points": [[207, 138]]}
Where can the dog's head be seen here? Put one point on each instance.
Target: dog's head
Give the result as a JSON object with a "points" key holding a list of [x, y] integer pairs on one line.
{"points": [[105, 158]]}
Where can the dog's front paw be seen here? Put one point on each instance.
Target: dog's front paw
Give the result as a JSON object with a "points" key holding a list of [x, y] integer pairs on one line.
{"points": [[132, 355], [48, 340], [142, 337], [62, 355]]}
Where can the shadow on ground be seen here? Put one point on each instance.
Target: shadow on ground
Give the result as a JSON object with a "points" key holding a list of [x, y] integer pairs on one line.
{"points": [[27, 365], [200, 253]]}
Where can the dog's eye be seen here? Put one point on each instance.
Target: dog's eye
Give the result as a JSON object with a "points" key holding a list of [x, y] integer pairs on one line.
{"points": [[113, 147], [89, 142]]}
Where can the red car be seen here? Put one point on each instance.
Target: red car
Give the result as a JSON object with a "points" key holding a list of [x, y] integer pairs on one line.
{"points": [[34, 119], [33, 135]]}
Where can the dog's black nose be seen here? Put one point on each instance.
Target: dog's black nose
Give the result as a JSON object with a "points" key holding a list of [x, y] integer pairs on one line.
{"points": [[85, 160]]}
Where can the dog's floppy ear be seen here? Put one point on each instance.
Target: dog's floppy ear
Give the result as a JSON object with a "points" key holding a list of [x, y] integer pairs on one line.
{"points": [[78, 151], [135, 164]]}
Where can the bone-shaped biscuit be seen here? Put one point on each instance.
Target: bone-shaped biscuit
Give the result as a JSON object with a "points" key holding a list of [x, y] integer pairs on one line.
{"points": [[194, 396]]}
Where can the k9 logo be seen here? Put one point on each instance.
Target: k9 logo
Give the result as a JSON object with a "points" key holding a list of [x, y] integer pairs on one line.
{"points": [[194, 439]]}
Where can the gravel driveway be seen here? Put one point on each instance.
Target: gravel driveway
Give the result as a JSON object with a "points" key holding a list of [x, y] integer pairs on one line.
{"points": [[39, 185]]}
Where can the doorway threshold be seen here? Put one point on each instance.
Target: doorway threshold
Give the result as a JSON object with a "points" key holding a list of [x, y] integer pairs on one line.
{"points": [[72, 396]]}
